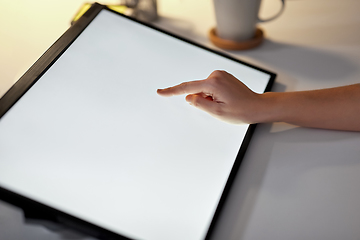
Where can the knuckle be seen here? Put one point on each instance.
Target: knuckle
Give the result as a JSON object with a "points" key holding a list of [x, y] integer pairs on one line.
{"points": [[183, 86], [217, 77], [217, 73]]}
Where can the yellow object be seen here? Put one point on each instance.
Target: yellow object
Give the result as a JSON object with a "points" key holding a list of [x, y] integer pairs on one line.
{"points": [[117, 8]]}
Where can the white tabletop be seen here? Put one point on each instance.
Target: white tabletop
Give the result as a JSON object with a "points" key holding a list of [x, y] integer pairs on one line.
{"points": [[294, 183]]}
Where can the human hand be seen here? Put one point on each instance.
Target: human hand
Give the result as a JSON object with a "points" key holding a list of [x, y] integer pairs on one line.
{"points": [[222, 96]]}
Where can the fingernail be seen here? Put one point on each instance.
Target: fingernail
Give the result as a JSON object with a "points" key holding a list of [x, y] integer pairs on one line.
{"points": [[160, 90]]}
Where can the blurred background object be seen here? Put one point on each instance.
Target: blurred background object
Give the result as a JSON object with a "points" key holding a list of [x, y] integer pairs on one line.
{"points": [[144, 10], [236, 24]]}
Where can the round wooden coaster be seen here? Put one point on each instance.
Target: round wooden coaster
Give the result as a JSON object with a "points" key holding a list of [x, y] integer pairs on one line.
{"points": [[234, 45]]}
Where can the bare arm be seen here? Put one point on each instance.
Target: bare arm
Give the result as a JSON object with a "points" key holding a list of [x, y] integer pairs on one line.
{"points": [[226, 98]]}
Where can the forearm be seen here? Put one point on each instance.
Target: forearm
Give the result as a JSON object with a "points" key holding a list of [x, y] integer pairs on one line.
{"points": [[226, 98], [334, 108]]}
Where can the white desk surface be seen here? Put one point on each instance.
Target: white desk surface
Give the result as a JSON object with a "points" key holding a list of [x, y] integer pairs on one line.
{"points": [[294, 183]]}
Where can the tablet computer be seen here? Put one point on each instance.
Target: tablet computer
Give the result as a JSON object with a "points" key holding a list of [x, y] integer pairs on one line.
{"points": [[86, 141]]}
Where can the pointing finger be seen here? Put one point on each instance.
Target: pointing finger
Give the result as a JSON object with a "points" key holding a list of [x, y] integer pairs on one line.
{"points": [[185, 88]]}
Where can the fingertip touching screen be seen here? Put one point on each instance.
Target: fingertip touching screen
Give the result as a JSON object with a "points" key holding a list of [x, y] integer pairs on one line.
{"points": [[93, 139]]}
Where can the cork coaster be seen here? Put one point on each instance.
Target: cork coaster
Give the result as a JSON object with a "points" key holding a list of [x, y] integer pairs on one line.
{"points": [[234, 45]]}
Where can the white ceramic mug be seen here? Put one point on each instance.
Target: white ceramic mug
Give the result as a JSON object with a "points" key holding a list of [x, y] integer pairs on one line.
{"points": [[236, 19]]}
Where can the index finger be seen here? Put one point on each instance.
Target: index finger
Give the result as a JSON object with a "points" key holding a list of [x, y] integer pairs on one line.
{"points": [[185, 88]]}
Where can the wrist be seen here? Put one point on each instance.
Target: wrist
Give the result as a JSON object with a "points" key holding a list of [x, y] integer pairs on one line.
{"points": [[269, 108]]}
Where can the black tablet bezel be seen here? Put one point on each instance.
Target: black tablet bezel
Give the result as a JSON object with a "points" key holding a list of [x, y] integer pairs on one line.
{"points": [[34, 209]]}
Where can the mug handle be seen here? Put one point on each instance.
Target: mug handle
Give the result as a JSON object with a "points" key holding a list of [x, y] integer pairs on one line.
{"points": [[278, 14]]}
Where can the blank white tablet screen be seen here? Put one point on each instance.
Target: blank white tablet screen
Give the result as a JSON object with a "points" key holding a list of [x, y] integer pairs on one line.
{"points": [[93, 139]]}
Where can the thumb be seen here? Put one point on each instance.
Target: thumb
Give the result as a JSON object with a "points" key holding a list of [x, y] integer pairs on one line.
{"points": [[205, 104]]}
